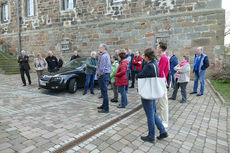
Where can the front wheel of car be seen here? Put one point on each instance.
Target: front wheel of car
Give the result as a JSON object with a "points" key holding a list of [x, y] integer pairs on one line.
{"points": [[72, 86]]}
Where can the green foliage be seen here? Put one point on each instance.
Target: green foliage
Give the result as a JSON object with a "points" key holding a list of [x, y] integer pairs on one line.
{"points": [[223, 87]]}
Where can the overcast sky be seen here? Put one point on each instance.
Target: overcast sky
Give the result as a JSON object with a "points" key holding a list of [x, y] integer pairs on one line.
{"points": [[226, 6]]}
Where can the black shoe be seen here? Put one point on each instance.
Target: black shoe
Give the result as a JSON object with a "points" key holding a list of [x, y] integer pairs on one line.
{"points": [[200, 94], [131, 87], [147, 139], [193, 92], [119, 106], [182, 101], [100, 107], [24, 85], [162, 136], [84, 93], [114, 100], [103, 111], [171, 98], [100, 97], [30, 83], [92, 93]]}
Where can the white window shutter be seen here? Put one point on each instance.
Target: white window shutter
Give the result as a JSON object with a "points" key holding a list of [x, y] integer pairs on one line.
{"points": [[31, 7]]}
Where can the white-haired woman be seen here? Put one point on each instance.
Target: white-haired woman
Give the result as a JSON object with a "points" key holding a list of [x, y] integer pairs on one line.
{"points": [[40, 65], [91, 66]]}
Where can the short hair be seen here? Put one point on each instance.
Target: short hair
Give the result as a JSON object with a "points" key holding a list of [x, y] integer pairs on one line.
{"points": [[122, 55], [93, 53], [104, 46], [186, 57], [163, 45], [201, 48], [115, 57], [38, 54], [150, 53], [23, 51], [75, 51]]}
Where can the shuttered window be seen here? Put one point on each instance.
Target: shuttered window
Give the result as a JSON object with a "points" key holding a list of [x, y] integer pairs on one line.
{"points": [[68, 4], [4, 13], [30, 7]]}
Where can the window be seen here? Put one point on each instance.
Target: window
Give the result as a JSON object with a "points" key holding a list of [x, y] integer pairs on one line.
{"points": [[4, 13], [118, 1], [68, 4], [30, 7]]}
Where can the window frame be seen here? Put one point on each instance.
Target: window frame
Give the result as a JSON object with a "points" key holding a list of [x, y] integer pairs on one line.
{"points": [[30, 13], [2, 11], [64, 5]]}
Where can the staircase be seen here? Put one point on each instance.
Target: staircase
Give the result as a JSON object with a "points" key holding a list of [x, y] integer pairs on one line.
{"points": [[8, 63]]}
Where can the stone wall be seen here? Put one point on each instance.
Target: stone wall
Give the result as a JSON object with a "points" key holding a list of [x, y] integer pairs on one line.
{"points": [[135, 24]]}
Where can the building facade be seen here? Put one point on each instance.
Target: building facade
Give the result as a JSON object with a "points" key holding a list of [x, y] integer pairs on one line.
{"points": [[67, 25]]}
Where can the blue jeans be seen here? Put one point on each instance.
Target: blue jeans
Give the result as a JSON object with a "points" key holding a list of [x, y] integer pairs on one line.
{"points": [[127, 87], [103, 81], [201, 77], [122, 91], [173, 80], [152, 118], [89, 79]]}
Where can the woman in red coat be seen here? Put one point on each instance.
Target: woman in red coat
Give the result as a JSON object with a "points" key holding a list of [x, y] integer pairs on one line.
{"points": [[137, 67], [121, 79]]}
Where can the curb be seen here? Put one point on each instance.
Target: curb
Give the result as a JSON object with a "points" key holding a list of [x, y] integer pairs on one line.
{"points": [[218, 94]]}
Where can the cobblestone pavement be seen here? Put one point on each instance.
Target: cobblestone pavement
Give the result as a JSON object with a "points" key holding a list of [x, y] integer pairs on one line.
{"points": [[33, 120]]}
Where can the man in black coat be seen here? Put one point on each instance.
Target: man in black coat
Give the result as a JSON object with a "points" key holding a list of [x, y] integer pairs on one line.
{"points": [[24, 66], [75, 56], [52, 62]]}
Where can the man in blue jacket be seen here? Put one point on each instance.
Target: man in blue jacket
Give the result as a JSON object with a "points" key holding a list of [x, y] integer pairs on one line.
{"points": [[200, 64], [173, 62]]}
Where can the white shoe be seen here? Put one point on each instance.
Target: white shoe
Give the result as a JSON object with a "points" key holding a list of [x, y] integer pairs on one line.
{"points": [[165, 125]]}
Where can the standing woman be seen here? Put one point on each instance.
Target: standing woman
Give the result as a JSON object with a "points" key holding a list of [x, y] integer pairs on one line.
{"points": [[150, 105], [40, 65], [121, 79], [136, 66]]}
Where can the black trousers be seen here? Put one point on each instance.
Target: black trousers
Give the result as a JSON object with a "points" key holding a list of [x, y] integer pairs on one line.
{"points": [[133, 76], [182, 86], [23, 71]]}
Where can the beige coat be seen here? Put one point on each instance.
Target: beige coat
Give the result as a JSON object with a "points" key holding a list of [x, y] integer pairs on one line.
{"points": [[184, 73], [40, 64]]}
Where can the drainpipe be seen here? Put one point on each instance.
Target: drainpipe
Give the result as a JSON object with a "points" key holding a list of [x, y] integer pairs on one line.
{"points": [[19, 30]]}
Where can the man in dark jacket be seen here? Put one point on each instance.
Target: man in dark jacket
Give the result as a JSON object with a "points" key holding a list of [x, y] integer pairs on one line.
{"points": [[91, 65], [23, 61], [52, 62], [75, 55], [173, 61], [200, 64]]}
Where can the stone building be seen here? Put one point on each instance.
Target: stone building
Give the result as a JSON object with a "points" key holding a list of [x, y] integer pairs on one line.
{"points": [[67, 25]]}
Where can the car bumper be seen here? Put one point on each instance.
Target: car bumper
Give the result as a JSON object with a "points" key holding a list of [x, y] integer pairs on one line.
{"points": [[52, 85]]}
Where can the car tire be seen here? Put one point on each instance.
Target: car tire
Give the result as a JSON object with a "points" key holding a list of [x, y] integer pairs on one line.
{"points": [[72, 87]]}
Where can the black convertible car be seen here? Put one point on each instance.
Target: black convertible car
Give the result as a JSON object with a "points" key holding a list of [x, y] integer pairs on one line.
{"points": [[70, 77]]}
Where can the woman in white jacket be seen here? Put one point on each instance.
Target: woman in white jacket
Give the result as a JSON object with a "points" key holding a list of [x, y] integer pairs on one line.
{"points": [[40, 65], [182, 79]]}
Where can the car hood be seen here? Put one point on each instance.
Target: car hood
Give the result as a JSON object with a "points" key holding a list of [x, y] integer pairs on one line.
{"points": [[64, 71]]}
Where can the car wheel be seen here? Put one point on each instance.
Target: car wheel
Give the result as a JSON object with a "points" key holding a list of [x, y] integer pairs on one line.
{"points": [[72, 86]]}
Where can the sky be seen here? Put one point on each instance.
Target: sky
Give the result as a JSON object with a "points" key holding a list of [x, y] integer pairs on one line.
{"points": [[226, 6]]}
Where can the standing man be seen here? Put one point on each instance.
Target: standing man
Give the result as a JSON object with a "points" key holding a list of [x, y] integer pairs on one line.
{"points": [[200, 64], [24, 66], [163, 73], [173, 62], [137, 67], [75, 55], [52, 62], [103, 74], [128, 58], [91, 65]]}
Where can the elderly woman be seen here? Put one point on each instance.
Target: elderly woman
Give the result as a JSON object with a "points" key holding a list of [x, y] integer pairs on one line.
{"points": [[91, 66], [182, 79], [40, 65], [150, 105]]}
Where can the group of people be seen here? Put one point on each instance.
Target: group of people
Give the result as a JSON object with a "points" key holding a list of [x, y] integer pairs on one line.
{"points": [[51, 63], [116, 69]]}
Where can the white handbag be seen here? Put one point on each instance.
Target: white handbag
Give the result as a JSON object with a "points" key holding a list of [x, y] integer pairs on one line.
{"points": [[152, 88]]}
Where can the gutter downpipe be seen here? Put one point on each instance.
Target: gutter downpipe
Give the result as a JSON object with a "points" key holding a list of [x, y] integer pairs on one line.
{"points": [[18, 23]]}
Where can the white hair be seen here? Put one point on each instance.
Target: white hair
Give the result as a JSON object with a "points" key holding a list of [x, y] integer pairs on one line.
{"points": [[23, 51], [201, 48], [93, 53], [104, 46]]}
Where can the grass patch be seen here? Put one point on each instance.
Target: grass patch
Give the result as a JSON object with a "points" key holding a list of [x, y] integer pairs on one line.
{"points": [[223, 87]]}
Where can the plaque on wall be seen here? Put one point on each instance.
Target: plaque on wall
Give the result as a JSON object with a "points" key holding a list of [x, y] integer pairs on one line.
{"points": [[65, 45], [161, 38]]}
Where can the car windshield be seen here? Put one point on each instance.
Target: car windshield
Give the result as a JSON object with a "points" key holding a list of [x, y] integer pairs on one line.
{"points": [[75, 63]]}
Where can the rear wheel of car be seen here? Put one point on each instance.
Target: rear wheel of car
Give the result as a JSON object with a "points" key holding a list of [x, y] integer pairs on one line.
{"points": [[72, 86]]}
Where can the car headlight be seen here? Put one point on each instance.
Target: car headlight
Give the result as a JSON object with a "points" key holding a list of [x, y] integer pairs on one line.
{"points": [[57, 78]]}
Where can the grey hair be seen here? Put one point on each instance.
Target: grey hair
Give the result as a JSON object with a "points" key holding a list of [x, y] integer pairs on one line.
{"points": [[201, 48], [23, 51], [104, 46], [92, 53]]}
